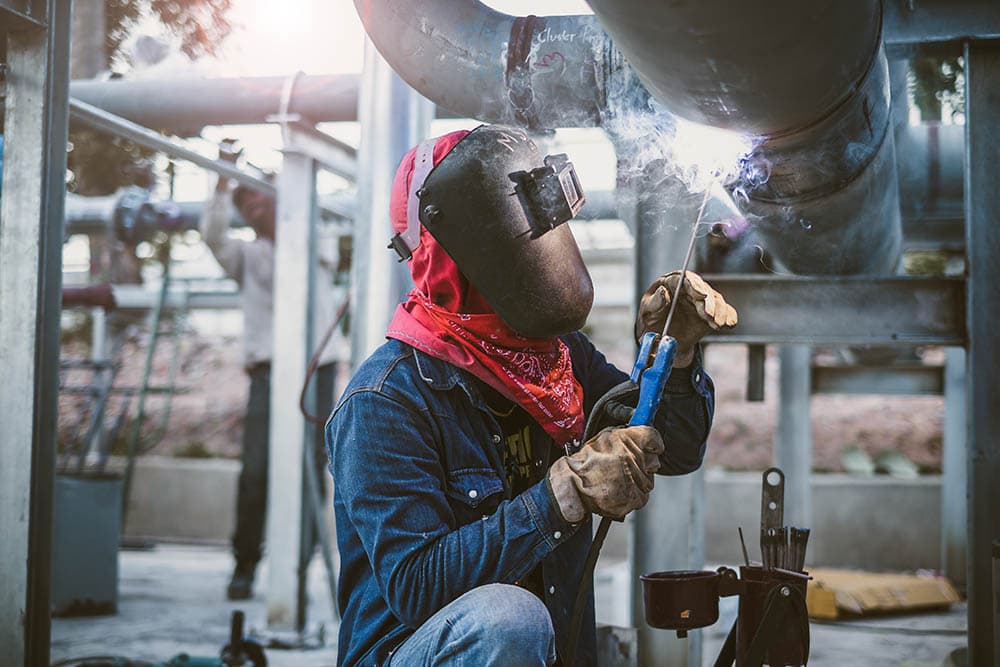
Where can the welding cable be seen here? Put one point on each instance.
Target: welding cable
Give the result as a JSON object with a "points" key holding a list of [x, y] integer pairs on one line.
{"points": [[314, 363], [99, 661]]}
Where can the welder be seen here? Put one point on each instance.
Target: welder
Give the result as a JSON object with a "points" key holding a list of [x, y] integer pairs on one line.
{"points": [[463, 487]]}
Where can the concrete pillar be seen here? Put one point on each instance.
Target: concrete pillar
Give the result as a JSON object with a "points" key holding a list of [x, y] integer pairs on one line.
{"points": [[793, 439], [954, 482], [982, 210], [88, 59], [394, 118], [34, 151], [294, 287]]}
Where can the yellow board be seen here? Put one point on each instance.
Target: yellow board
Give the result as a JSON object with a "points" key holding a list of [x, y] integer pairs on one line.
{"points": [[837, 593]]}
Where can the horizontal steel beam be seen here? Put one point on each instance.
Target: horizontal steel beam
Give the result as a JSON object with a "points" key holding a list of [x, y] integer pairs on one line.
{"points": [[856, 310], [910, 23], [99, 119], [137, 297], [332, 154], [909, 380], [185, 105]]}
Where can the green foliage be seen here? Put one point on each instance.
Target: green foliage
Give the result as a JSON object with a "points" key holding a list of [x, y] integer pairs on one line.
{"points": [[934, 81], [99, 164], [200, 25], [195, 449]]}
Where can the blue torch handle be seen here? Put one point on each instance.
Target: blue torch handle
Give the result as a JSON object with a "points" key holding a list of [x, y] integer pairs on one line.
{"points": [[653, 379]]}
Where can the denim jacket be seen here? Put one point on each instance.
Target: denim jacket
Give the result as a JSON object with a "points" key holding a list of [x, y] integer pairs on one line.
{"points": [[423, 508]]}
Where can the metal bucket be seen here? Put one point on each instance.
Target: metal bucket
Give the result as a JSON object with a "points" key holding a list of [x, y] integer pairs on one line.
{"points": [[681, 599]]}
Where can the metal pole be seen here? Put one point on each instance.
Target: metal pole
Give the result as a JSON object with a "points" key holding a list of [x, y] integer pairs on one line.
{"points": [[793, 440], [982, 205], [31, 275], [954, 482], [100, 119], [294, 270], [668, 534], [395, 119]]}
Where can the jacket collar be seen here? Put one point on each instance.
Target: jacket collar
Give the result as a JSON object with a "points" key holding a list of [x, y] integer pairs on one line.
{"points": [[442, 376]]}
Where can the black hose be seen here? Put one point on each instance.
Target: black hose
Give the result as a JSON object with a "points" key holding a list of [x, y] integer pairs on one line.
{"points": [[583, 590], [314, 363]]}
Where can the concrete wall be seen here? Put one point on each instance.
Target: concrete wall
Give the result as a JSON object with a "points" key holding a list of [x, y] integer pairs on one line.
{"points": [[183, 499], [875, 523]]}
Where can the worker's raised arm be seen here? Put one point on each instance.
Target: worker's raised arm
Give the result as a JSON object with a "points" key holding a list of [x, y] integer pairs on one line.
{"points": [[214, 227]]}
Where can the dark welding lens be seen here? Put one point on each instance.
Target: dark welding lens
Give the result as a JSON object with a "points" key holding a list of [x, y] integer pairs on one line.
{"points": [[549, 195]]}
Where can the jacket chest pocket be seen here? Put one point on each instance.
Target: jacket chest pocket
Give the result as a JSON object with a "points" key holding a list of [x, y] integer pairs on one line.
{"points": [[474, 493]]}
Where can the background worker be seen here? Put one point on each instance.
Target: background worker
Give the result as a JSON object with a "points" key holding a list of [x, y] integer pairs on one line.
{"points": [[251, 265], [463, 488]]}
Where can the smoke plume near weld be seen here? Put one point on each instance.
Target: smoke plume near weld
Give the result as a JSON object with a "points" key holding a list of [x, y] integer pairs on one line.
{"points": [[697, 155]]}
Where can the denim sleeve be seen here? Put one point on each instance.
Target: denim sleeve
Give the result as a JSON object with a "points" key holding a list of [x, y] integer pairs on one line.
{"points": [[390, 477], [684, 417]]}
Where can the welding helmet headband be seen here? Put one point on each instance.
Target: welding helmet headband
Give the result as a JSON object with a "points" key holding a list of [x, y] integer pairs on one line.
{"points": [[497, 208]]}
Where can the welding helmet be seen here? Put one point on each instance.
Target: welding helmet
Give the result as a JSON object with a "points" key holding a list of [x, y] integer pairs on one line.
{"points": [[497, 207]]}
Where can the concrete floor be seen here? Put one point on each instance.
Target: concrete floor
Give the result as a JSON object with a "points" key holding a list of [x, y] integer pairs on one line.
{"points": [[172, 600]]}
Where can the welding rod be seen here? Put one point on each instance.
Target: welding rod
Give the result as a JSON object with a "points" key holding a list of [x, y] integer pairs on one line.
{"points": [[782, 544], [687, 262], [800, 537], [743, 545]]}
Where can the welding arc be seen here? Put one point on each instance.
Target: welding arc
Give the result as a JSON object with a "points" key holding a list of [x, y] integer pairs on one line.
{"points": [[687, 262]]}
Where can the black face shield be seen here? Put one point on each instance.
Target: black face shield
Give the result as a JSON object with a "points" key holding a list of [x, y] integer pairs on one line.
{"points": [[497, 208]]}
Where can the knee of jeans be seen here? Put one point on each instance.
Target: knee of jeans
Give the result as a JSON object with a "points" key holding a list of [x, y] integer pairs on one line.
{"points": [[515, 613]]}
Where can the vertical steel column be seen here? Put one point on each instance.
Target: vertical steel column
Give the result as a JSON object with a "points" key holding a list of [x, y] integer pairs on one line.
{"points": [[982, 234], [394, 118], [31, 215], [669, 533], [954, 486], [793, 440], [294, 288]]}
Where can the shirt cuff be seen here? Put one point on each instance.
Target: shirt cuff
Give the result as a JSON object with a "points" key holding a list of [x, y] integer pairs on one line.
{"points": [[545, 515], [686, 380]]}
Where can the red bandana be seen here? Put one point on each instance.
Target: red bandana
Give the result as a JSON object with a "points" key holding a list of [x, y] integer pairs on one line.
{"points": [[447, 318]]}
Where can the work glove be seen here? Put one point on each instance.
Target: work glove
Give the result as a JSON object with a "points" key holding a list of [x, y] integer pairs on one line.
{"points": [[700, 311], [611, 475]]}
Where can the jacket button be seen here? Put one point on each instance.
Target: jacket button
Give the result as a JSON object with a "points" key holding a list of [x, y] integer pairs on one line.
{"points": [[496, 439], [697, 377], [552, 590], [473, 493], [557, 534]]}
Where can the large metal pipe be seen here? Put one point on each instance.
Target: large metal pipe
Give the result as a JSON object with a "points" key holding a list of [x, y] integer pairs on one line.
{"points": [[766, 68], [811, 82], [183, 106], [929, 156], [538, 72]]}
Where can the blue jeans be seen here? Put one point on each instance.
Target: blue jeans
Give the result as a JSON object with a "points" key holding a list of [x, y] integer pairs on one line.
{"points": [[490, 626]]}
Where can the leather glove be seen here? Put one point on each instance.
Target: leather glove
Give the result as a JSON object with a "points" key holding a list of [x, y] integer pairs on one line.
{"points": [[700, 311], [611, 475]]}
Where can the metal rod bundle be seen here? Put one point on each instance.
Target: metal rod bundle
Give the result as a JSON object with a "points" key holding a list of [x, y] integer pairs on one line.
{"points": [[784, 548]]}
